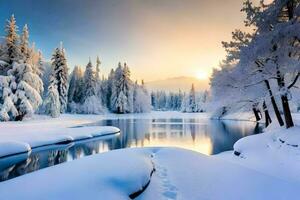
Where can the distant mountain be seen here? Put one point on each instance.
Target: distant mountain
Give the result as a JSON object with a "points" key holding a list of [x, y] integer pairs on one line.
{"points": [[183, 83]]}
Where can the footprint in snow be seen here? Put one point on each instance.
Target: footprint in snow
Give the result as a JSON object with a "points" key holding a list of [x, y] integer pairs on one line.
{"points": [[169, 190]]}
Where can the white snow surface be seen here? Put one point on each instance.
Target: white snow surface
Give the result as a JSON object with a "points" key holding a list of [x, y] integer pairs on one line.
{"points": [[113, 175], [268, 167], [117, 174], [275, 152], [16, 137]]}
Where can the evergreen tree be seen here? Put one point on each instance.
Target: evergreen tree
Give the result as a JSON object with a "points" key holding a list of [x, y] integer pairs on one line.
{"points": [[98, 63], [39, 68], [89, 81], [26, 87], [107, 89], [121, 99], [192, 107], [99, 91], [73, 85], [8, 111], [11, 49], [52, 103], [24, 45], [23, 87], [59, 64]]}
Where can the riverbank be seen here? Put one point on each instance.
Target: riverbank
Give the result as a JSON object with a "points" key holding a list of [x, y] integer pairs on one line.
{"points": [[271, 158], [120, 173], [275, 152], [41, 130], [21, 137]]}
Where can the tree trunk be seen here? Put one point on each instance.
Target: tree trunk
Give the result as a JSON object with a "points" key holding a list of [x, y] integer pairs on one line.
{"points": [[256, 113], [287, 112], [276, 110], [285, 102], [267, 115]]}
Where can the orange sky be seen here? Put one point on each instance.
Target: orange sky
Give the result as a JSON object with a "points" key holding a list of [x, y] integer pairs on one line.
{"points": [[157, 38]]}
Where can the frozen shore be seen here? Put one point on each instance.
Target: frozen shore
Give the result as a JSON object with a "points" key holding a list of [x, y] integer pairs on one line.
{"points": [[119, 173], [269, 159]]}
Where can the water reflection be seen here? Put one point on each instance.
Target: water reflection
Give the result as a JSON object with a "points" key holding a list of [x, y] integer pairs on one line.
{"points": [[52, 155], [205, 136]]}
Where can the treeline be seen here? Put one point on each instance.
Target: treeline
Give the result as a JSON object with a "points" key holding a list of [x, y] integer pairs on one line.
{"points": [[22, 88], [118, 93], [262, 67], [178, 101], [23, 75]]}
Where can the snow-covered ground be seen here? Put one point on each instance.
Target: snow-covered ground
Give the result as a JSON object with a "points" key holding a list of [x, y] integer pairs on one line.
{"points": [[267, 167], [17, 137], [275, 152], [116, 175]]}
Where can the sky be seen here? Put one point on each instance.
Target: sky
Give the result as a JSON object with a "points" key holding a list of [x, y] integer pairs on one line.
{"points": [[157, 38]]}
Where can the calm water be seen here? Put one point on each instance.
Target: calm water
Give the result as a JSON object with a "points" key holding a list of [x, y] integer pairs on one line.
{"points": [[202, 135]]}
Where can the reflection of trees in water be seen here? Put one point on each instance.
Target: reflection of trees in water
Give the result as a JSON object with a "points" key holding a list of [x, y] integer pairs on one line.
{"points": [[224, 134], [57, 156], [4, 175], [133, 132], [193, 129], [49, 157], [76, 152]]}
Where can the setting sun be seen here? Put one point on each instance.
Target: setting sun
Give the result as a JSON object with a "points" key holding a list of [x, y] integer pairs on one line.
{"points": [[202, 75]]}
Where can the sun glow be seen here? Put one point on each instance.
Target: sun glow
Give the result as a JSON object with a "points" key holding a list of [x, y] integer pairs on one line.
{"points": [[202, 75]]}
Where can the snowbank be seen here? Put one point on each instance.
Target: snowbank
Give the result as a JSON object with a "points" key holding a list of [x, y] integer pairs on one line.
{"points": [[43, 130], [275, 152], [119, 173], [113, 175], [11, 147], [19, 137]]}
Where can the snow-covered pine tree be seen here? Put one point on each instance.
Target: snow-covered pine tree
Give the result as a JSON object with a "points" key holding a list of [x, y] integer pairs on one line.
{"points": [[8, 110], [11, 49], [73, 84], [29, 56], [59, 64], [185, 103], [24, 46], [141, 99], [192, 106], [121, 99], [91, 103], [106, 88], [76, 91], [52, 103], [89, 81], [136, 106], [98, 80], [98, 63], [39, 67], [26, 87]]}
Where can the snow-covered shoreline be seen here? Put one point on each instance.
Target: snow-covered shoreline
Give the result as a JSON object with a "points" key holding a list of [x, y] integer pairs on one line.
{"points": [[275, 152], [20, 137], [271, 158], [119, 173], [41, 130]]}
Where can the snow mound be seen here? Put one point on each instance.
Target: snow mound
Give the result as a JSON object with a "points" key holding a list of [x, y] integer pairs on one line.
{"points": [[11, 147], [275, 152], [112, 175], [33, 139], [179, 174]]}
